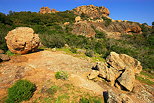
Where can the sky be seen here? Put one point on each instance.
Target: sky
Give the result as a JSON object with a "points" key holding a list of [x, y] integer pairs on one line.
{"points": [[133, 10]]}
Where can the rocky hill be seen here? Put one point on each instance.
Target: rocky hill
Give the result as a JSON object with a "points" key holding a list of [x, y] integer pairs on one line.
{"points": [[79, 55], [91, 11]]}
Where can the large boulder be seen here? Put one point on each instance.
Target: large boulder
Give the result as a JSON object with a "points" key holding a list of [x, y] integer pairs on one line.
{"points": [[109, 73], [119, 70], [123, 61], [127, 79], [22, 40]]}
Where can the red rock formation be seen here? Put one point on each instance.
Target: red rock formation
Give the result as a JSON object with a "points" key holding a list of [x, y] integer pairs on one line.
{"points": [[46, 10], [91, 11]]}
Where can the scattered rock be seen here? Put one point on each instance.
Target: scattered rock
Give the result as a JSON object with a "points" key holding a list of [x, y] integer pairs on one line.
{"points": [[22, 40], [119, 70], [1, 51], [143, 93], [4, 57], [118, 98], [146, 96]]}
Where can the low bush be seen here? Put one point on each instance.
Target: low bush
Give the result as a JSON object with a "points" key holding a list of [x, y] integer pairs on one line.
{"points": [[73, 50], [61, 75], [89, 53], [84, 100], [52, 89], [90, 100], [20, 91]]}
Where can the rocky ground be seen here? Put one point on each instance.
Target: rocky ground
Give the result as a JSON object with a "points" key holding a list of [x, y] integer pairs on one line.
{"points": [[40, 68]]}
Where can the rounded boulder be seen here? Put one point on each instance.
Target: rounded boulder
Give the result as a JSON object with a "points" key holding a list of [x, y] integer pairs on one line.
{"points": [[22, 40]]}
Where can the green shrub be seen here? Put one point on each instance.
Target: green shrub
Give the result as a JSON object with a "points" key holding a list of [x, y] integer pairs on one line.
{"points": [[52, 40], [61, 75], [100, 34], [52, 89], [89, 53], [90, 100], [107, 21], [20, 91], [73, 50], [84, 100], [9, 53]]}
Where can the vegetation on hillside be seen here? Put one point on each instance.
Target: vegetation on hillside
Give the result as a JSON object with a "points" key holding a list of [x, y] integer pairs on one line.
{"points": [[20, 91], [54, 34]]}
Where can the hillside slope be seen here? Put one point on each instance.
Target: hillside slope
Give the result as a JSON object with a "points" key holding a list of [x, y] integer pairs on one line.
{"points": [[40, 68]]}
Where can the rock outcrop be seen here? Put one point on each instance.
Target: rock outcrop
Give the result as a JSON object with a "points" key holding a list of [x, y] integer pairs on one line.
{"points": [[123, 61], [46, 10], [4, 57], [119, 70], [120, 27], [83, 28], [113, 30], [77, 19], [22, 40], [91, 11], [118, 98]]}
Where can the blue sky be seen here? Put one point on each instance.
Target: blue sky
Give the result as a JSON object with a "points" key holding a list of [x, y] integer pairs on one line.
{"points": [[133, 10]]}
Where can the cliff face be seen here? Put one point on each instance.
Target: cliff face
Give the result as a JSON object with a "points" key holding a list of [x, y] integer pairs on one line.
{"points": [[91, 11], [121, 27], [113, 30]]}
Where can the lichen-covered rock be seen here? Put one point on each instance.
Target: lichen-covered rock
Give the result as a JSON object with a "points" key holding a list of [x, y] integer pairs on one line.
{"points": [[123, 61], [22, 40], [127, 79]]}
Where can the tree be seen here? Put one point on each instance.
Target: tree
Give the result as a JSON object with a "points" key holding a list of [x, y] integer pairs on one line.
{"points": [[145, 24], [153, 23]]}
